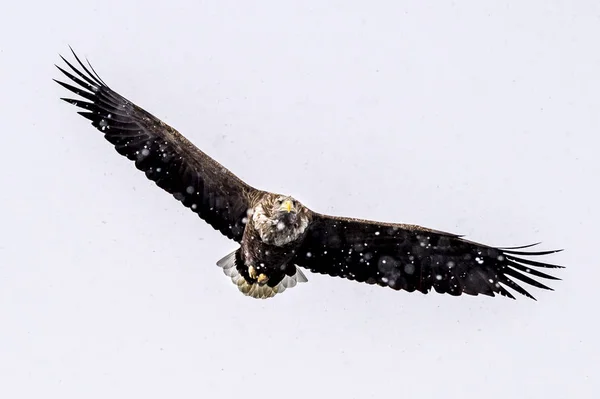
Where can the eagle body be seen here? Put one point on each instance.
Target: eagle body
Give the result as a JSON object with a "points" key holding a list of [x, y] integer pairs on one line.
{"points": [[274, 230], [277, 236]]}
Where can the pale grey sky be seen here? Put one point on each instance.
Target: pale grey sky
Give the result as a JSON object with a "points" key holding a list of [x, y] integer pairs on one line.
{"points": [[477, 119]]}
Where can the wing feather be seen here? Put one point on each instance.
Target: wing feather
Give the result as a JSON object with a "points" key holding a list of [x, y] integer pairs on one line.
{"points": [[413, 258], [166, 157]]}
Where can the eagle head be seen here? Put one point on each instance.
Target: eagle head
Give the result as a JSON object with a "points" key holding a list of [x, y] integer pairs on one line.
{"points": [[280, 219]]}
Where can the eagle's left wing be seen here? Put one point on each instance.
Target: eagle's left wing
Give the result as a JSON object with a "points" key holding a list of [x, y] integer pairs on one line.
{"points": [[410, 258], [167, 158]]}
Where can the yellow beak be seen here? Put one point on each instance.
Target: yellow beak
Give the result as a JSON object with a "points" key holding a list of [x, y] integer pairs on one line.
{"points": [[287, 205]]}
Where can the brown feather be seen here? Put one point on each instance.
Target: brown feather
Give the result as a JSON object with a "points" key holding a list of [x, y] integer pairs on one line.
{"points": [[167, 157], [411, 258]]}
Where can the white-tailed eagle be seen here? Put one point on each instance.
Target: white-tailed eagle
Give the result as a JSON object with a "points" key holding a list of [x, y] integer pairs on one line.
{"points": [[278, 235]]}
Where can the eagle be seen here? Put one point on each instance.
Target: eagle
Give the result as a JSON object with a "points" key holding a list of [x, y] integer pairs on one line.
{"points": [[278, 236]]}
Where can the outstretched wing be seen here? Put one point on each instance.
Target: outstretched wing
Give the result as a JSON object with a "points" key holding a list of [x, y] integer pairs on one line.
{"points": [[409, 257], [167, 158]]}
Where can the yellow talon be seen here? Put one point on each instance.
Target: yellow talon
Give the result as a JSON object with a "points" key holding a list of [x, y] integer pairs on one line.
{"points": [[262, 278], [252, 272]]}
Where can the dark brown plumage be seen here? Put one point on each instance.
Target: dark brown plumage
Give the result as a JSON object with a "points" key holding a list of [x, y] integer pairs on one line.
{"points": [[276, 233], [413, 258]]}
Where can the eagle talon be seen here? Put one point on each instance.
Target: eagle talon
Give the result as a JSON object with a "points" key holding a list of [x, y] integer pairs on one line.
{"points": [[262, 278], [252, 272]]}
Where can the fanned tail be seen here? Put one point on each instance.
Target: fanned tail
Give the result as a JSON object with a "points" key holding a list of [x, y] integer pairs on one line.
{"points": [[254, 290]]}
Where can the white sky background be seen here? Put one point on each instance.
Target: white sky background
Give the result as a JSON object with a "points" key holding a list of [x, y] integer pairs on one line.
{"points": [[477, 119]]}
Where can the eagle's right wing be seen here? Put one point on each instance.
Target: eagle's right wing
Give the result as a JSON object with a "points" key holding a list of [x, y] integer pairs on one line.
{"points": [[167, 158]]}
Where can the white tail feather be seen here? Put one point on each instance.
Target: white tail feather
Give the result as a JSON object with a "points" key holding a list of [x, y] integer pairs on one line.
{"points": [[227, 263]]}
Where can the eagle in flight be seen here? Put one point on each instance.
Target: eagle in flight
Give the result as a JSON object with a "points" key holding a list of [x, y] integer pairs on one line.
{"points": [[278, 235]]}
